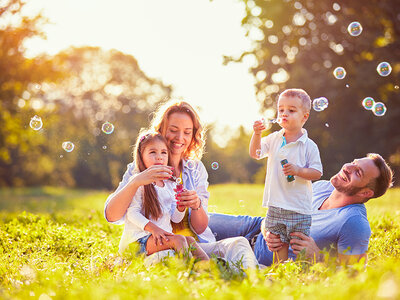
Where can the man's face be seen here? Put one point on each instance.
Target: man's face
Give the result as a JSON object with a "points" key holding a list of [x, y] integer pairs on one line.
{"points": [[355, 176]]}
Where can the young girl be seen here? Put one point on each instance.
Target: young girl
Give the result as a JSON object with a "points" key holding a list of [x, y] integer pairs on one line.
{"points": [[153, 206]]}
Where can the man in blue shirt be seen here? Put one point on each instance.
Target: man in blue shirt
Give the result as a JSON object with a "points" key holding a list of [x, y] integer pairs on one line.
{"points": [[339, 218]]}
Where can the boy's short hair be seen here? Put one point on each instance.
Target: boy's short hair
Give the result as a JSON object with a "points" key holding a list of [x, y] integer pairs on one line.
{"points": [[301, 94]]}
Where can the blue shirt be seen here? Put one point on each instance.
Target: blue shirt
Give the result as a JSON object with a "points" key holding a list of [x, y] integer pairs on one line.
{"points": [[343, 230]]}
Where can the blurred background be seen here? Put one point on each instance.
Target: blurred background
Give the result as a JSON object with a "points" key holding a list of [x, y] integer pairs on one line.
{"points": [[66, 63]]}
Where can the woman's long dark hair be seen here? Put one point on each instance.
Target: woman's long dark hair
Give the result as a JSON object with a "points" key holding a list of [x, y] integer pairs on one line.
{"points": [[151, 204]]}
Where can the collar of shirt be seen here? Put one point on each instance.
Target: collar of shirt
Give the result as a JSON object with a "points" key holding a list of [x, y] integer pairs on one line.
{"points": [[301, 139]]}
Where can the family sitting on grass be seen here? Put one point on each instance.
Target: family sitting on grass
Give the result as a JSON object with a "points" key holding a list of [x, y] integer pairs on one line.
{"points": [[163, 198]]}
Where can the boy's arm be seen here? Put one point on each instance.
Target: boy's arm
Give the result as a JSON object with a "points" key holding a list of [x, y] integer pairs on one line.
{"points": [[255, 142]]}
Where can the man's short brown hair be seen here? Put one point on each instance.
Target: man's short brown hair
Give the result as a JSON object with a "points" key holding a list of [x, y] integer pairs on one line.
{"points": [[384, 181]]}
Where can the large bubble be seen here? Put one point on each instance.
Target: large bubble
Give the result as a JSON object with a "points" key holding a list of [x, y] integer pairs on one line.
{"points": [[354, 29], [339, 73], [368, 103], [319, 104], [384, 69], [379, 109], [68, 146], [107, 128], [36, 123]]}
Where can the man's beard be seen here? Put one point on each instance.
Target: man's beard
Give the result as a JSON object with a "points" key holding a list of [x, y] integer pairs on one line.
{"points": [[348, 191]]}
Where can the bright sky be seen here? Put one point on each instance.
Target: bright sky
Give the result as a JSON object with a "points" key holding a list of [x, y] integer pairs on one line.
{"points": [[181, 42]]}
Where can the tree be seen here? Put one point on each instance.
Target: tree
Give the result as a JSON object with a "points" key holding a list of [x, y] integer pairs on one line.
{"points": [[300, 43]]}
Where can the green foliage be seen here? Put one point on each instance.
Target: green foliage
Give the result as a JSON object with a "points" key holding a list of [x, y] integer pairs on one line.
{"points": [[66, 250], [307, 40]]}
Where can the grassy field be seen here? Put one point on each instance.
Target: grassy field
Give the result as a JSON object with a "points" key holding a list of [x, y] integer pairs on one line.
{"points": [[56, 244]]}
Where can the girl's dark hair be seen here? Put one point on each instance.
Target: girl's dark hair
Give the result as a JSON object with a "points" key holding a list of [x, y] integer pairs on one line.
{"points": [[151, 204]]}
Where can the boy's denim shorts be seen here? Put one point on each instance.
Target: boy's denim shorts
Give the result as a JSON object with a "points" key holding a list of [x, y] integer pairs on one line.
{"points": [[282, 222], [142, 243]]}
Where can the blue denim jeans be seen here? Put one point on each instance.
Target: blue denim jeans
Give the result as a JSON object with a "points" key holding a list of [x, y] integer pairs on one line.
{"points": [[225, 226]]}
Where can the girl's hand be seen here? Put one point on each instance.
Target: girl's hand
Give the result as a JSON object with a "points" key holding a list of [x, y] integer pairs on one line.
{"points": [[153, 173], [258, 127], [188, 199], [159, 235], [291, 169]]}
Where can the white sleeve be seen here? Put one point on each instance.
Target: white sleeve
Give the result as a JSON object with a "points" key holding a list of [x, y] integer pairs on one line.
{"points": [[265, 145], [176, 215], [134, 210], [201, 183], [125, 179], [313, 157]]}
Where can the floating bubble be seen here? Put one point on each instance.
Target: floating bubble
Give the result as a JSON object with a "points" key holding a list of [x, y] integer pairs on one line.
{"points": [[214, 165], [384, 69], [258, 153], [347, 85], [61, 156], [36, 123], [241, 203], [68, 146], [104, 147], [107, 128], [396, 87], [190, 164], [319, 104], [354, 29], [379, 109], [178, 180], [368, 103], [326, 125], [339, 73]]}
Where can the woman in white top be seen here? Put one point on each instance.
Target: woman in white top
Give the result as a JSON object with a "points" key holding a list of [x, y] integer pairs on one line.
{"points": [[153, 206], [179, 123]]}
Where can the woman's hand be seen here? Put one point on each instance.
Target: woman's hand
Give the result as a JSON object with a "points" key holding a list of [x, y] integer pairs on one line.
{"points": [[188, 199], [158, 234], [152, 174]]}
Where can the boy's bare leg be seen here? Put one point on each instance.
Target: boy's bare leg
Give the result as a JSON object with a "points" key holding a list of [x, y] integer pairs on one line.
{"points": [[282, 254], [198, 252]]}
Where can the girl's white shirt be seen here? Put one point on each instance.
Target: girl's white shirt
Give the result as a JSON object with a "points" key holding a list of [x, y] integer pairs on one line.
{"points": [[135, 220], [194, 177]]}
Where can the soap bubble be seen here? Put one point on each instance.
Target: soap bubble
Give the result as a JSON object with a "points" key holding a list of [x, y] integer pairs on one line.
{"points": [[339, 73], [368, 103], [379, 109], [104, 147], [384, 69], [36, 123], [258, 153], [107, 128], [319, 104], [354, 29], [214, 165], [190, 164], [241, 203], [326, 125], [178, 180], [68, 146]]}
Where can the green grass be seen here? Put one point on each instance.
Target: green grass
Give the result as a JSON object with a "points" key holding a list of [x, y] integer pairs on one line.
{"points": [[55, 243]]}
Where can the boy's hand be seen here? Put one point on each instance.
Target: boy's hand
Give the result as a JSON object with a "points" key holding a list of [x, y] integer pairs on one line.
{"points": [[291, 169], [258, 127]]}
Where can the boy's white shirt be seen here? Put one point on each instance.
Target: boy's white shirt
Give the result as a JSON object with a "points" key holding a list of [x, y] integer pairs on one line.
{"points": [[296, 195], [136, 221]]}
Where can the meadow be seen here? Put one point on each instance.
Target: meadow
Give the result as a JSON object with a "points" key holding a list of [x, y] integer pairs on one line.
{"points": [[56, 244]]}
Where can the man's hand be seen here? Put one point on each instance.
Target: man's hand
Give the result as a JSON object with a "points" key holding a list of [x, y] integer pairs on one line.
{"points": [[273, 241], [307, 243]]}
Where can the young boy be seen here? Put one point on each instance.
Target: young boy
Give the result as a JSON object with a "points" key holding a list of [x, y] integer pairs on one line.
{"points": [[293, 161]]}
